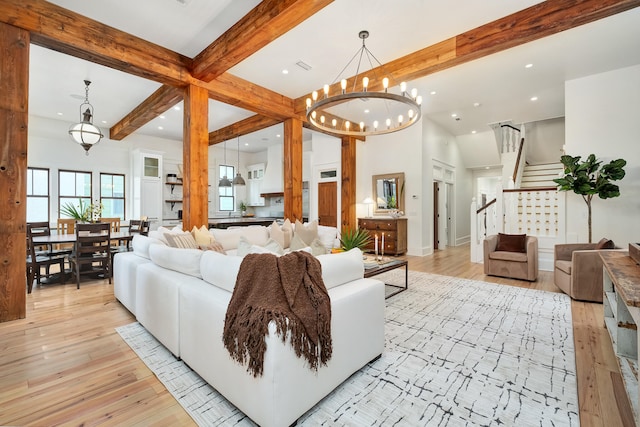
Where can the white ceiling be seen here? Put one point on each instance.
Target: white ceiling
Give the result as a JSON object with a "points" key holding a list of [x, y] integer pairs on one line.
{"points": [[500, 83]]}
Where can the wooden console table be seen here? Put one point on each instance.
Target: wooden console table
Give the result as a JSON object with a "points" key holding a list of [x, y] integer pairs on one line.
{"points": [[394, 230], [621, 303]]}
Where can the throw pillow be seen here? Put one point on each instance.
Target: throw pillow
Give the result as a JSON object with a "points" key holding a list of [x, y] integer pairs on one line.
{"points": [[201, 235], [182, 240], [317, 248], [511, 242], [306, 232], [605, 243], [245, 247], [281, 234], [213, 246]]}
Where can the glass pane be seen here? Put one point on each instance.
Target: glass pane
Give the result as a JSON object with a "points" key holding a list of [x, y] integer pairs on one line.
{"points": [[226, 203], [113, 208], [40, 182], [151, 167], [106, 185], [118, 186], [84, 184], [67, 184], [74, 201], [29, 182], [37, 209]]}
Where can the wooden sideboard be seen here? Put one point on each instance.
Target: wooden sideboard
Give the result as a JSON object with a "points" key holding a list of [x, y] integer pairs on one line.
{"points": [[621, 303], [395, 233]]}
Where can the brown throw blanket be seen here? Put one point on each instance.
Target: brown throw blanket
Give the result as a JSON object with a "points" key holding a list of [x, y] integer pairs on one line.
{"points": [[288, 290]]}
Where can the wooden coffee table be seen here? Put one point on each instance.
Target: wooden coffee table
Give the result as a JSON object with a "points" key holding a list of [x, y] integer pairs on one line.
{"points": [[389, 265]]}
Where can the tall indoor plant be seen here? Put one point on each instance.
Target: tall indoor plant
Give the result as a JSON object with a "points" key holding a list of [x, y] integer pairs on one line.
{"points": [[589, 177]]}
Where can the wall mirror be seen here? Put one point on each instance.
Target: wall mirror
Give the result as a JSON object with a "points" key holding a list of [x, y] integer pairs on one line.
{"points": [[388, 192]]}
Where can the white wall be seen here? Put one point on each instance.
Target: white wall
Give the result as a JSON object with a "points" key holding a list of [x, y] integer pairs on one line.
{"points": [[602, 118], [51, 147]]}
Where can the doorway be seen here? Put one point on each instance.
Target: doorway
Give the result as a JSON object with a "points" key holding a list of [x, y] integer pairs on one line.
{"points": [[328, 203], [443, 206]]}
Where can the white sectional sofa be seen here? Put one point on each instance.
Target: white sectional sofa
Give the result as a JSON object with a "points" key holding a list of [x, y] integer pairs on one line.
{"points": [[181, 296]]}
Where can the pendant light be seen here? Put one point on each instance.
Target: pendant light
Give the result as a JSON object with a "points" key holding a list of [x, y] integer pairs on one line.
{"points": [[238, 180], [224, 182], [85, 133]]}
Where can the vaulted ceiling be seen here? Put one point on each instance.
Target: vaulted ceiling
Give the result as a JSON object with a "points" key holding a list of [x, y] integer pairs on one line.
{"points": [[323, 35]]}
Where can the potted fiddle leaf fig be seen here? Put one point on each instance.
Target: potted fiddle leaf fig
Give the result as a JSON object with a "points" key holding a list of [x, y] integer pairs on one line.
{"points": [[589, 178]]}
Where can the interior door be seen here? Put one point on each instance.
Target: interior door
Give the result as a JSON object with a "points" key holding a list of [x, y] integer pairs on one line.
{"points": [[436, 199], [328, 204]]}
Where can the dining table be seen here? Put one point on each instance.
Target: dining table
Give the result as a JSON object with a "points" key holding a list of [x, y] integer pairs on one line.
{"points": [[54, 239]]}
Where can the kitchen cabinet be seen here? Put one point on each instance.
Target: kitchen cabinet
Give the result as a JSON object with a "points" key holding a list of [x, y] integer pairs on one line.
{"points": [[255, 175], [146, 171]]}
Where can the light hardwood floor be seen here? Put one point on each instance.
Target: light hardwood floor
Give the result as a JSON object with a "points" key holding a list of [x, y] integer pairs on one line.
{"points": [[65, 365]]}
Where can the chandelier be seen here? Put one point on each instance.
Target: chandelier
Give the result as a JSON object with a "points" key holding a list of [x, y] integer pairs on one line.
{"points": [[85, 133], [375, 113]]}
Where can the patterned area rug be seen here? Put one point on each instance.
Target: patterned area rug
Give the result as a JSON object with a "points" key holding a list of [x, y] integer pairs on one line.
{"points": [[458, 353]]}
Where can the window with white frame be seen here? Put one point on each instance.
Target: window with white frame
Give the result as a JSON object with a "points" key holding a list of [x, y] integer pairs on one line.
{"points": [[112, 195], [73, 186], [37, 194], [226, 199]]}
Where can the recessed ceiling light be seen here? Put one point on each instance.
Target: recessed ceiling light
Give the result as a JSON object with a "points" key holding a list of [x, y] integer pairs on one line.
{"points": [[486, 167], [528, 66], [177, 108], [285, 71], [163, 117], [160, 127], [60, 114], [476, 104], [246, 144], [278, 136], [366, 111], [473, 131], [104, 121], [534, 98], [433, 92], [454, 115]]}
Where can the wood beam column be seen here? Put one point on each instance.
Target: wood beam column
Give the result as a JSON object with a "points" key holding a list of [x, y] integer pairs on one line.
{"points": [[348, 177], [195, 161], [292, 148], [14, 114]]}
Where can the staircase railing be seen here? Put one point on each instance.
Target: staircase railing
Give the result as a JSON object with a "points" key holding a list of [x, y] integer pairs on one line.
{"points": [[486, 220], [533, 211]]}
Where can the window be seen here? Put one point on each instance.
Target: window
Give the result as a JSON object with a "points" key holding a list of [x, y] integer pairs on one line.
{"points": [[112, 195], [37, 194], [73, 186], [225, 194]]}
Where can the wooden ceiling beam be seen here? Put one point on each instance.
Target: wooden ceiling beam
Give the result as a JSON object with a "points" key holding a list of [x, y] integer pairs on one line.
{"points": [[243, 127], [266, 22], [159, 102], [538, 21]]}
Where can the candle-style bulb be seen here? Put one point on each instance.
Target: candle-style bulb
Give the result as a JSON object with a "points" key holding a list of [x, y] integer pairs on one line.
{"points": [[361, 126], [308, 102], [385, 83], [326, 91], [314, 95], [419, 100], [365, 83], [313, 114], [411, 114], [400, 119], [334, 122], [343, 85], [375, 125], [414, 93], [322, 119], [403, 87], [388, 123], [347, 125]]}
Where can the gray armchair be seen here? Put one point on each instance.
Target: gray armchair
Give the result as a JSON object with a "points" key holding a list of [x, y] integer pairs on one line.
{"points": [[516, 265]]}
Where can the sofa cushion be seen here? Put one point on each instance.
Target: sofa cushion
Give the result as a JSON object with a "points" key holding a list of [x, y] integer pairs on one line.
{"points": [[245, 247], [230, 237], [511, 242], [315, 247], [181, 240], [564, 266], [159, 233], [185, 261], [508, 256], [220, 270], [141, 244], [605, 243], [341, 268]]}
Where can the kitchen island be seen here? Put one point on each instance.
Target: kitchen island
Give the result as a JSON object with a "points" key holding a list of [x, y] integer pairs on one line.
{"points": [[240, 221]]}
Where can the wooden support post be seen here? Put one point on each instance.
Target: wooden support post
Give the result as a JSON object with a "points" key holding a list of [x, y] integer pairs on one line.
{"points": [[14, 114], [292, 169], [348, 200], [195, 158]]}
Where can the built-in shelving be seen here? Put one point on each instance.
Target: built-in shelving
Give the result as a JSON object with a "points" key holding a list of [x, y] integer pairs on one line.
{"points": [[173, 202], [172, 185]]}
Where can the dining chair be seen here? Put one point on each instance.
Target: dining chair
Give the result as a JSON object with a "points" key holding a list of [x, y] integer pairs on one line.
{"points": [[114, 224], [66, 226], [139, 226], [92, 250], [36, 260]]}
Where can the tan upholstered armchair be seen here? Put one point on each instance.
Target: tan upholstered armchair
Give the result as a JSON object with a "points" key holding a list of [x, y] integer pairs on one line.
{"points": [[577, 271], [516, 265]]}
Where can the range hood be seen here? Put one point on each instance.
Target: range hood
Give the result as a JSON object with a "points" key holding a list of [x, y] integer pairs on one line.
{"points": [[273, 182]]}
